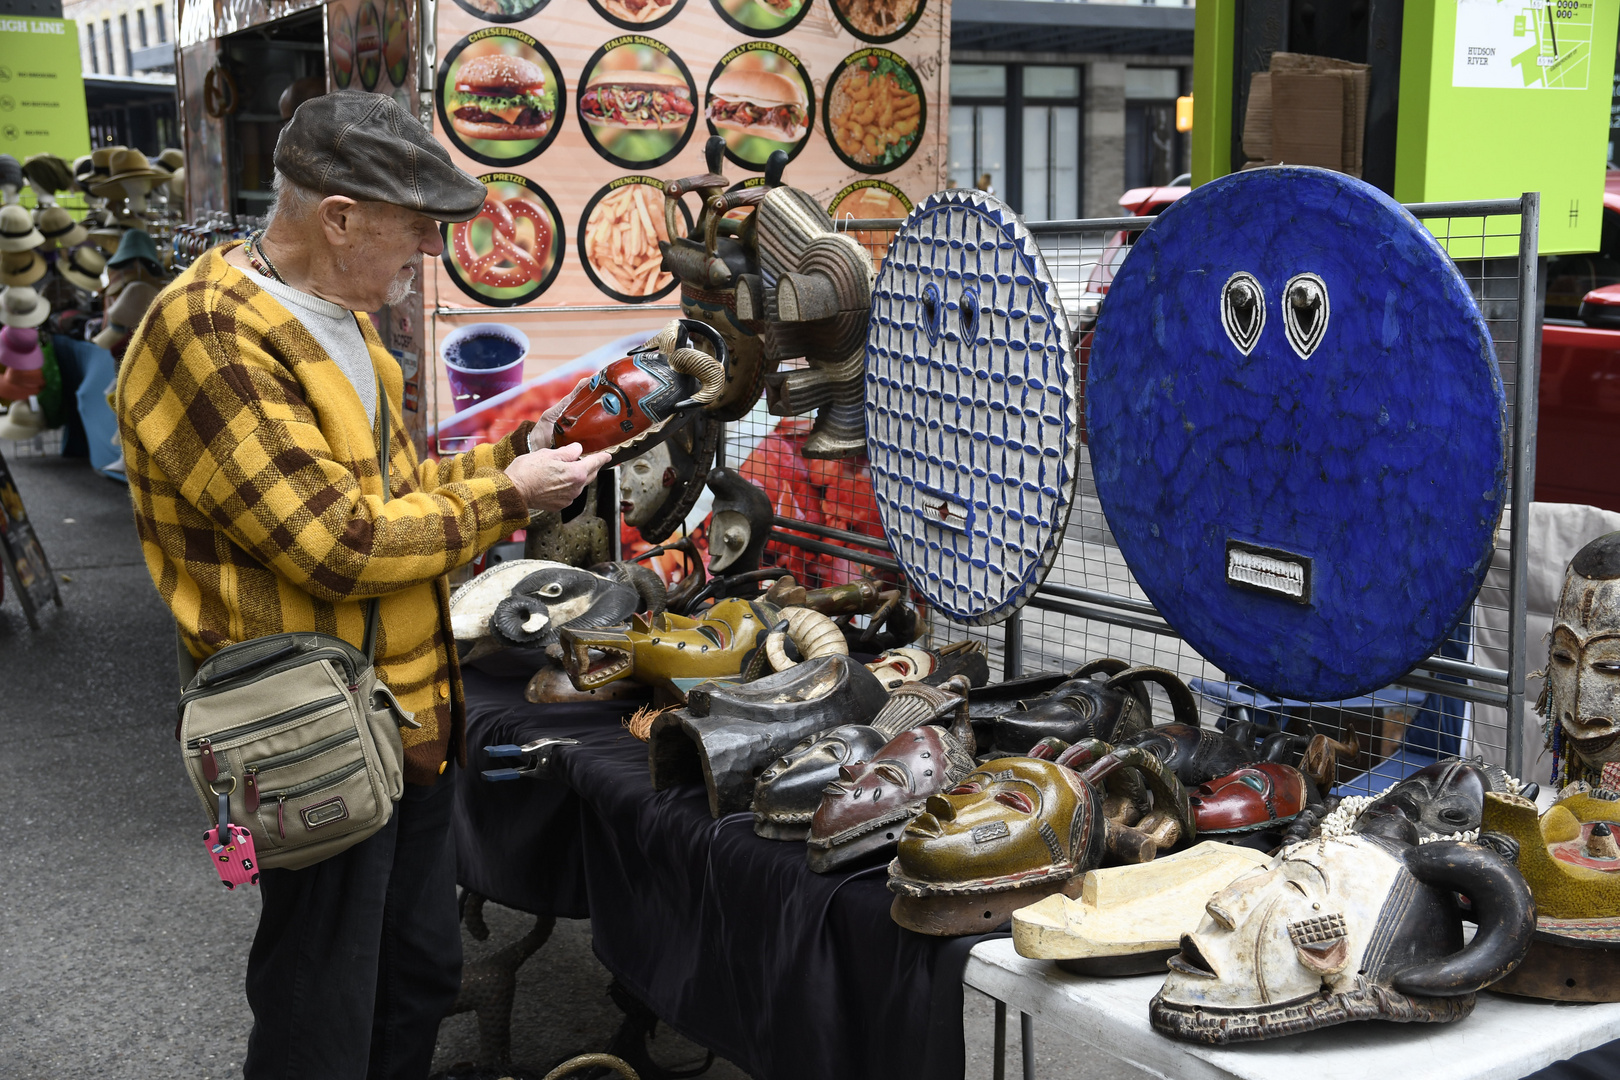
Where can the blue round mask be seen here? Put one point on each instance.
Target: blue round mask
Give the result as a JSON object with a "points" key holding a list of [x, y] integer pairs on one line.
{"points": [[1298, 431]]}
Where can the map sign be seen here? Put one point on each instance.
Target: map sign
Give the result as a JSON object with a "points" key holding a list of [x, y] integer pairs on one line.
{"points": [[1525, 44]]}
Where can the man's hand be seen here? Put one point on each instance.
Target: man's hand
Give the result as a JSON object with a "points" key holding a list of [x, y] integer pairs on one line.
{"points": [[544, 429], [552, 479]]}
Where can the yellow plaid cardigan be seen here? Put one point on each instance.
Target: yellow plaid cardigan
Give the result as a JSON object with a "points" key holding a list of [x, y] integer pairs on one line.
{"points": [[259, 501]]}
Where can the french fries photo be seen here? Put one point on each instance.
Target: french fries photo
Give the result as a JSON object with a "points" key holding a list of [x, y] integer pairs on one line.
{"points": [[621, 240]]}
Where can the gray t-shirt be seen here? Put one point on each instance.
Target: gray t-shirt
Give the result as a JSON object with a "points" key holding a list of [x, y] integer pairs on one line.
{"points": [[335, 330]]}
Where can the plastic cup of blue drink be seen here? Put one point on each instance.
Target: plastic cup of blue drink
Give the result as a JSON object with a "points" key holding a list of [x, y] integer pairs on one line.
{"points": [[482, 360]]}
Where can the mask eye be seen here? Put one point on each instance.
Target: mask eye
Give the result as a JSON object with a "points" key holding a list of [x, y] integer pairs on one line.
{"points": [[1017, 800], [610, 404], [1305, 312], [1243, 310], [930, 312], [1563, 656], [1606, 667], [1254, 782], [553, 589], [969, 788], [969, 309]]}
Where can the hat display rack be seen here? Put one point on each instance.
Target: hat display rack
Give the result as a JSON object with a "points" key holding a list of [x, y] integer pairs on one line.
{"points": [[69, 270]]}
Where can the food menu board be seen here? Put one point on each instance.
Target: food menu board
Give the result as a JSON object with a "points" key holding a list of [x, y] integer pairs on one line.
{"points": [[573, 112], [368, 47]]}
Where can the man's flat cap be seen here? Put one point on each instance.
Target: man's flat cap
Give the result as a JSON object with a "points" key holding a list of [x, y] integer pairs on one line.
{"points": [[366, 147]]}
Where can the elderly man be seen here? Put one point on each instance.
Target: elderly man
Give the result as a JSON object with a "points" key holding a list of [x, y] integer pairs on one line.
{"points": [[248, 407]]}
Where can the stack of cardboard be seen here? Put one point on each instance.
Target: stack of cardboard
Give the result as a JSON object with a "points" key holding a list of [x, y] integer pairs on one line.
{"points": [[1307, 110]]}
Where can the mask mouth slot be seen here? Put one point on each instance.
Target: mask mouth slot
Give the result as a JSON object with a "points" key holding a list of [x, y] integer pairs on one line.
{"points": [[1191, 960], [935, 507], [1269, 570]]}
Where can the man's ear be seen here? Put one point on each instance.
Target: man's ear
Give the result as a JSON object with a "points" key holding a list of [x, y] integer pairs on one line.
{"points": [[339, 217]]}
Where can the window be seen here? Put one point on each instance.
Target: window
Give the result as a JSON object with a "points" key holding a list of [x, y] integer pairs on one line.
{"points": [[90, 41], [161, 26], [1153, 150], [140, 27], [123, 30], [106, 38], [1016, 131], [1051, 143]]}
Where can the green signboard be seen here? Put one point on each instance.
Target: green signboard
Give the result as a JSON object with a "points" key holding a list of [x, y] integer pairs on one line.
{"points": [[1497, 97], [41, 88], [1500, 97]]}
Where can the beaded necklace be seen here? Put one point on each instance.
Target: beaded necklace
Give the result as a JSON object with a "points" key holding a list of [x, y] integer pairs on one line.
{"points": [[259, 259]]}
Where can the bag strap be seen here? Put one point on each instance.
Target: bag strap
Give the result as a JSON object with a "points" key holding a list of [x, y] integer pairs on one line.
{"points": [[384, 446], [186, 667]]}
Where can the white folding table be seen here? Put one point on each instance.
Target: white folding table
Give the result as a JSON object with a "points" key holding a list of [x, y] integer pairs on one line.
{"points": [[1504, 1039]]}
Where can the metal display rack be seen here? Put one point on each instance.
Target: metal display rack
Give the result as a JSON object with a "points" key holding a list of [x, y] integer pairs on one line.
{"points": [[1091, 606]]}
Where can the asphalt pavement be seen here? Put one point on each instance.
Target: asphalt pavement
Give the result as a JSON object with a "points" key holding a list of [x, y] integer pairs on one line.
{"points": [[121, 958]]}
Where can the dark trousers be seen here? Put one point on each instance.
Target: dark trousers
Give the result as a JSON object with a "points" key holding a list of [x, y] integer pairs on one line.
{"points": [[358, 957]]}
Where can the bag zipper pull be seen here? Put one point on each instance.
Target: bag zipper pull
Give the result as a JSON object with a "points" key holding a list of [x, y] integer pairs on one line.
{"points": [[250, 794], [281, 818], [210, 767]]}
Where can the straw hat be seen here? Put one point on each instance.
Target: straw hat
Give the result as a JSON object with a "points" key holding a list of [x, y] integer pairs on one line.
{"points": [[17, 232], [20, 305], [83, 266], [21, 422], [173, 158], [125, 313], [48, 172], [107, 238], [100, 160], [82, 168], [58, 228], [20, 349], [128, 168], [21, 267]]}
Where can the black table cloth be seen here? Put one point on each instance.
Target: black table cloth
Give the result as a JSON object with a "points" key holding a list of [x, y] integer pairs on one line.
{"points": [[729, 938]]}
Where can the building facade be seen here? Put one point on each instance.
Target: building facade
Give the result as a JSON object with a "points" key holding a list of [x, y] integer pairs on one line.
{"points": [[1060, 107], [129, 38]]}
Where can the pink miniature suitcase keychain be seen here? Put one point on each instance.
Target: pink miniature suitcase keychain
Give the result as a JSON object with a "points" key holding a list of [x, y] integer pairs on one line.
{"points": [[234, 859]]}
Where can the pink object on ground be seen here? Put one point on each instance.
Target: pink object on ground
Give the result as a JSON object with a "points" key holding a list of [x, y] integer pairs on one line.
{"points": [[19, 349]]}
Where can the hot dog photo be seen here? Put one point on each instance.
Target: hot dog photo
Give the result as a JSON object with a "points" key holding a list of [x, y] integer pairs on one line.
{"points": [[636, 102], [511, 252], [760, 101], [499, 96]]}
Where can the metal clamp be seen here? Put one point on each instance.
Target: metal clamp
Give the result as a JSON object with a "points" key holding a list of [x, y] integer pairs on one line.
{"points": [[535, 758]]}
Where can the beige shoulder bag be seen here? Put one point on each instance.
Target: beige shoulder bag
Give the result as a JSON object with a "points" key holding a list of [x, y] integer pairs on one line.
{"points": [[298, 734]]}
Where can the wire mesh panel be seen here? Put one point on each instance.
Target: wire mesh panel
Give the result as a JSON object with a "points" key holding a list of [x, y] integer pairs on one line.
{"points": [[1465, 699]]}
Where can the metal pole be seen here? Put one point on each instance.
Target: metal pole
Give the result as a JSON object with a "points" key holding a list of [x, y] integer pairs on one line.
{"points": [[1527, 377], [999, 1069], [1012, 664], [1026, 1035]]}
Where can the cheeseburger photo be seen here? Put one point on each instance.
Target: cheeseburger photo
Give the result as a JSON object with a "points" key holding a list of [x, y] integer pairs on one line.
{"points": [[643, 100], [759, 103], [501, 97]]}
